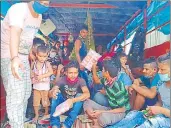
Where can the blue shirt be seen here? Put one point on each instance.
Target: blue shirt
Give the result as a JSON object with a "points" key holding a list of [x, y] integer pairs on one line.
{"points": [[150, 83], [126, 80], [83, 49], [165, 95]]}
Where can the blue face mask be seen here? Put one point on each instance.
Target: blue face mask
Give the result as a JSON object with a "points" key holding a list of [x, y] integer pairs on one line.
{"points": [[164, 77], [39, 8]]}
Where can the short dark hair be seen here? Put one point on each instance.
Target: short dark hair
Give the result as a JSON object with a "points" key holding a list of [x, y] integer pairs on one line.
{"points": [[152, 61], [38, 42], [57, 42], [42, 48], [72, 64], [149, 60], [112, 67], [122, 54], [84, 27], [164, 58], [100, 65], [117, 62]]}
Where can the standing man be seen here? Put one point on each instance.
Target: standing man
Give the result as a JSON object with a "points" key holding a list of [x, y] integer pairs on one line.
{"points": [[81, 52], [17, 32]]}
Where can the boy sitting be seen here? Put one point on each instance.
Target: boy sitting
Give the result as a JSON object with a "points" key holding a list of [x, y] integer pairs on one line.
{"points": [[125, 74], [117, 97], [72, 89]]}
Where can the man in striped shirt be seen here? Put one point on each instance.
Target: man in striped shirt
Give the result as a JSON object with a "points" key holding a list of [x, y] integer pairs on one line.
{"points": [[116, 94]]}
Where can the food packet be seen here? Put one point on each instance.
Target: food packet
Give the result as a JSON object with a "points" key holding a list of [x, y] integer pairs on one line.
{"points": [[62, 108], [91, 58]]}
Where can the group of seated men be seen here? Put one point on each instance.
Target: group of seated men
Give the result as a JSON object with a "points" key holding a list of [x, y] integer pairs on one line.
{"points": [[116, 97]]}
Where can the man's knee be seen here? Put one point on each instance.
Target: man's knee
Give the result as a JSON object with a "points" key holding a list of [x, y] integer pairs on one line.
{"points": [[103, 119], [139, 102], [106, 119], [87, 104], [56, 100], [100, 99], [140, 98]]}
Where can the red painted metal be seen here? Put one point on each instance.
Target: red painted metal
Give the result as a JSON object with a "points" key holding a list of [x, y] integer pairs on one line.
{"points": [[145, 21], [148, 2], [69, 5], [2, 101], [133, 16], [158, 50], [145, 18]]}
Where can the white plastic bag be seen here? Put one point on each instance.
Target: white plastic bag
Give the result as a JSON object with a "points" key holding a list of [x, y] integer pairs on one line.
{"points": [[91, 58], [62, 108]]}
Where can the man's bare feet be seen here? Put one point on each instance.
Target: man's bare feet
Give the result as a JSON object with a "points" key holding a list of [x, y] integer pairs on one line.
{"points": [[89, 113], [96, 124]]}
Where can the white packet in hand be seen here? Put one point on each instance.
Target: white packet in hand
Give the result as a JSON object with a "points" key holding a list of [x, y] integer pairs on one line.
{"points": [[60, 109]]}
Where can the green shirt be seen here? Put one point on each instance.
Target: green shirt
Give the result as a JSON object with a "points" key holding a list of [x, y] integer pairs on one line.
{"points": [[117, 95]]}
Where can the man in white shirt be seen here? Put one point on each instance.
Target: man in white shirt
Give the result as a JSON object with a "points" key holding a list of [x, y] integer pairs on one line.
{"points": [[17, 32]]}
